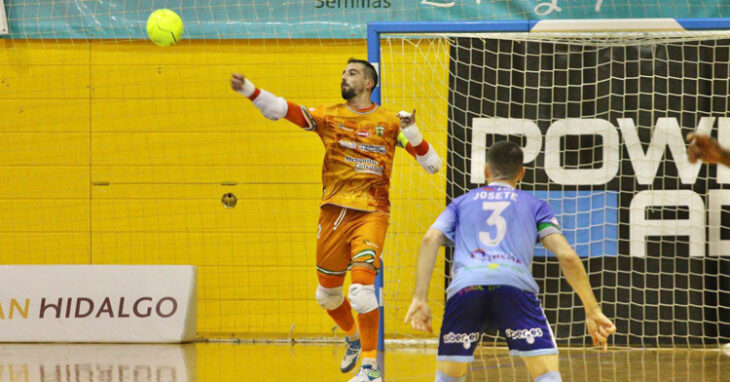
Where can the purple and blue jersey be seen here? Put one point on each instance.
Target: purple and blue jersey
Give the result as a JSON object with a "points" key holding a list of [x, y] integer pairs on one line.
{"points": [[495, 230]]}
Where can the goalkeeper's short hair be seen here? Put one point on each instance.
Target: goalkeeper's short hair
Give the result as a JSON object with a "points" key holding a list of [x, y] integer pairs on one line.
{"points": [[505, 159], [370, 72]]}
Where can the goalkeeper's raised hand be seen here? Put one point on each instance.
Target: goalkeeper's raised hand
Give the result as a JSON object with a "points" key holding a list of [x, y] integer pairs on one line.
{"points": [[237, 81], [240, 84], [425, 154], [407, 119], [271, 106]]}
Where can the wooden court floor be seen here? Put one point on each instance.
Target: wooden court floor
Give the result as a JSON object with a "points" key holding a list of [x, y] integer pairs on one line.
{"points": [[319, 362]]}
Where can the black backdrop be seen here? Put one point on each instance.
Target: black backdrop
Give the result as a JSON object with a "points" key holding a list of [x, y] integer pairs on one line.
{"points": [[666, 297]]}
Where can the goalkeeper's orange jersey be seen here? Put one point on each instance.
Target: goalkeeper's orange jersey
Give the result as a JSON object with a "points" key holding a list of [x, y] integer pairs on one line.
{"points": [[359, 150]]}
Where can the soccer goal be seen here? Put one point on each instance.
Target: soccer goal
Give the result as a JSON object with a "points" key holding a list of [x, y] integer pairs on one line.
{"points": [[601, 108]]}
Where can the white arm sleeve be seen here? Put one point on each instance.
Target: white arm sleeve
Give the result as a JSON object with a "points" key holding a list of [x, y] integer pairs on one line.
{"points": [[271, 106], [413, 135], [431, 162]]}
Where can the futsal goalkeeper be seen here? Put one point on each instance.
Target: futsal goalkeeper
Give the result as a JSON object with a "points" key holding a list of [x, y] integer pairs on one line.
{"points": [[495, 230], [360, 139]]}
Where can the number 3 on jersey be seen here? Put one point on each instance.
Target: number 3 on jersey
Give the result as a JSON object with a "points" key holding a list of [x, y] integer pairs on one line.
{"points": [[495, 219]]}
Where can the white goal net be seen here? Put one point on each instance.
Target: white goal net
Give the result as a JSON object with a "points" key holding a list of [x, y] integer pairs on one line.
{"points": [[602, 119]]}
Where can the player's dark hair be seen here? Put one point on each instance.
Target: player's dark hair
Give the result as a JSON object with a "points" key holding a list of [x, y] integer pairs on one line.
{"points": [[370, 72], [505, 160]]}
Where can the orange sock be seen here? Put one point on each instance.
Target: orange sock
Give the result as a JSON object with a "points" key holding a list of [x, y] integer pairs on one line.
{"points": [[369, 321], [343, 317], [369, 332]]}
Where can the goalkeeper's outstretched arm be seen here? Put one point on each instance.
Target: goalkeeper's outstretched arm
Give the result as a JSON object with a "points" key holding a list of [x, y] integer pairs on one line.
{"points": [[424, 153], [271, 106]]}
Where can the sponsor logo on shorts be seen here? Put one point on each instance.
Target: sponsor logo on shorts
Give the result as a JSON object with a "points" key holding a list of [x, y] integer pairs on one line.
{"points": [[370, 243], [466, 339], [528, 335]]}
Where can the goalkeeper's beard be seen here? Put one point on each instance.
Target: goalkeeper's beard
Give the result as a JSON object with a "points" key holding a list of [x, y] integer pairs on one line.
{"points": [[348, 93]]}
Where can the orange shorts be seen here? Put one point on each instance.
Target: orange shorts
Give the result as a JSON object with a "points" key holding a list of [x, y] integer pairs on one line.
{"points": [[345, 236]]}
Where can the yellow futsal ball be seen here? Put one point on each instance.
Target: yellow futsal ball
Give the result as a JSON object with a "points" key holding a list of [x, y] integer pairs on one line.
{"points": [[164, 27]]}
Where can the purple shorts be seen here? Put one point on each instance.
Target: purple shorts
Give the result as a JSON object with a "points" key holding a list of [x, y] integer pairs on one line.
{"points": [[517, 314]]}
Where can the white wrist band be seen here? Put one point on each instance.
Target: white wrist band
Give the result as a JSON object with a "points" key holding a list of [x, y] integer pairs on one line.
{"points": [[248, 88], [413, 135]]}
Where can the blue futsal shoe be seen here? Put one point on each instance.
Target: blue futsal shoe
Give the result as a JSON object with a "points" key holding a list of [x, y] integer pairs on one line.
{"points": [[367, 374], [352, 353]]}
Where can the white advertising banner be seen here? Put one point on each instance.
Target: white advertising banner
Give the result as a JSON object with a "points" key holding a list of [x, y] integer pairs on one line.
{"points": [[3, 19], [95, 362], [98, 303]]}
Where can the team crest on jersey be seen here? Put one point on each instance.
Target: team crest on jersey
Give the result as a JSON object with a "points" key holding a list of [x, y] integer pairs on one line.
{"points": [[363, 133], [379, 130]]}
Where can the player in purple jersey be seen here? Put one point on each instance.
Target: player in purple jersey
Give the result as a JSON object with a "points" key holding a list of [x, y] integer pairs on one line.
{"points": [[494, 230]]}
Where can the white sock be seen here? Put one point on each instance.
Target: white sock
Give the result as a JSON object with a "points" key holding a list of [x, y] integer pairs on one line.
{"points": [[370, 361], [552, 376], [441, 377]]}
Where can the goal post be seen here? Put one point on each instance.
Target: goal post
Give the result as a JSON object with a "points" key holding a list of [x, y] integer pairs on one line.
{"points": [[601, 108]]}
